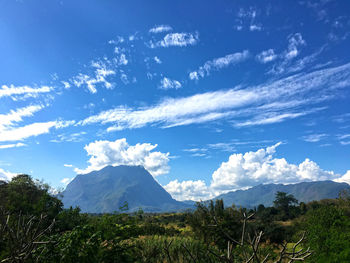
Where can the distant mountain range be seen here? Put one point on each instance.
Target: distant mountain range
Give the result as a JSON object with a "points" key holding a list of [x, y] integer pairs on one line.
{"points": [[106, 190], [265, 194]]}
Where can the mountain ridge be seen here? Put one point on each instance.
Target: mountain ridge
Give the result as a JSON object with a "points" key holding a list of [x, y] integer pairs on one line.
{"points": [[265, 193]]}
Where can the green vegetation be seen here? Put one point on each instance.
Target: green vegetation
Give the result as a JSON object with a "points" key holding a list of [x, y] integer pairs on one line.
{"points": [[34, 227]]}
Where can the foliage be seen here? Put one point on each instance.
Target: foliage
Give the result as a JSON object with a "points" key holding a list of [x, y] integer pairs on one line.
{"points": [[35, 228], [329, 234], [23, 195]]}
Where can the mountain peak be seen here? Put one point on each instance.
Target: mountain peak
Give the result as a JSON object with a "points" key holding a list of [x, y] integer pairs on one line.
{"points": [[106, 190]]}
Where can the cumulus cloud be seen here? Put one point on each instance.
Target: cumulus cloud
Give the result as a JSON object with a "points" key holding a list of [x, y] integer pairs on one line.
{"points": [[345, 178], [188, 190], [167, 83], [266, 56], [244, 170], [176, 39], [253, 168], [26, 91], [219, 63], [6, 175], [119, 152], [160, 29], [264, 104]]}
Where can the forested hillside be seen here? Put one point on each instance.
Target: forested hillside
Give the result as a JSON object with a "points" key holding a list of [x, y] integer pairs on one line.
{"points": [[35, 227]]}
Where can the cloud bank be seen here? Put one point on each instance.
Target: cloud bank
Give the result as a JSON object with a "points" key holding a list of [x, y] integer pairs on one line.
{"points": [[245, 170]]}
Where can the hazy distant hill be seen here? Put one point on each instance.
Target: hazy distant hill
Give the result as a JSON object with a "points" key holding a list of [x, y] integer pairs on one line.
{"points": [[265, 194], [106, 190]]}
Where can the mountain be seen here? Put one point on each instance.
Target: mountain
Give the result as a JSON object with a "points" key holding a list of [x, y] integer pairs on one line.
{"points": [[106, 190], [265, 194]]}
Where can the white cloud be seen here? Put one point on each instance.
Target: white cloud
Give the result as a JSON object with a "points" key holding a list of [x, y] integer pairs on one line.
{"points": [[247, 18], [287, 63], [314, 137], [160, 29], [295, 41], [188, 190], [226, 147], [8, 120], [253, 168], [66, 181], [66, 84], [34, 129], [255, 28], [268, 103], [267, 56], [6, 91], [157, 60], [15, 145], [73, 137], [101, 74], [176, 39], [219, 63], [122, 61], [345, 178], [6, 175], [68, 165], [244, 170], [119, 152], [10, 131], [30, 130], [167, 83]]}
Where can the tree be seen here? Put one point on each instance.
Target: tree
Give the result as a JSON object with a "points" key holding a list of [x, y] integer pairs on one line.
{"points": [[328, 234], [23, 195], [283, 203]]}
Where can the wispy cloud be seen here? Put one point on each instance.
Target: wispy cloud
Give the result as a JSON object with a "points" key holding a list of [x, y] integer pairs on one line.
{"points": [[26, 91], [17, 115], [219, 63], [30, 130], [268, 103], [15, 145], [295, 41], [177, 40], [73, 137], [246, 18], [160, 28], [100, 76], [266, 56], [167, 83], [314, 137], [344, 139]]}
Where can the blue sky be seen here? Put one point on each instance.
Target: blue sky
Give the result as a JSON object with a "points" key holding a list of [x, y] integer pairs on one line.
{"points": [[208, 97]]}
